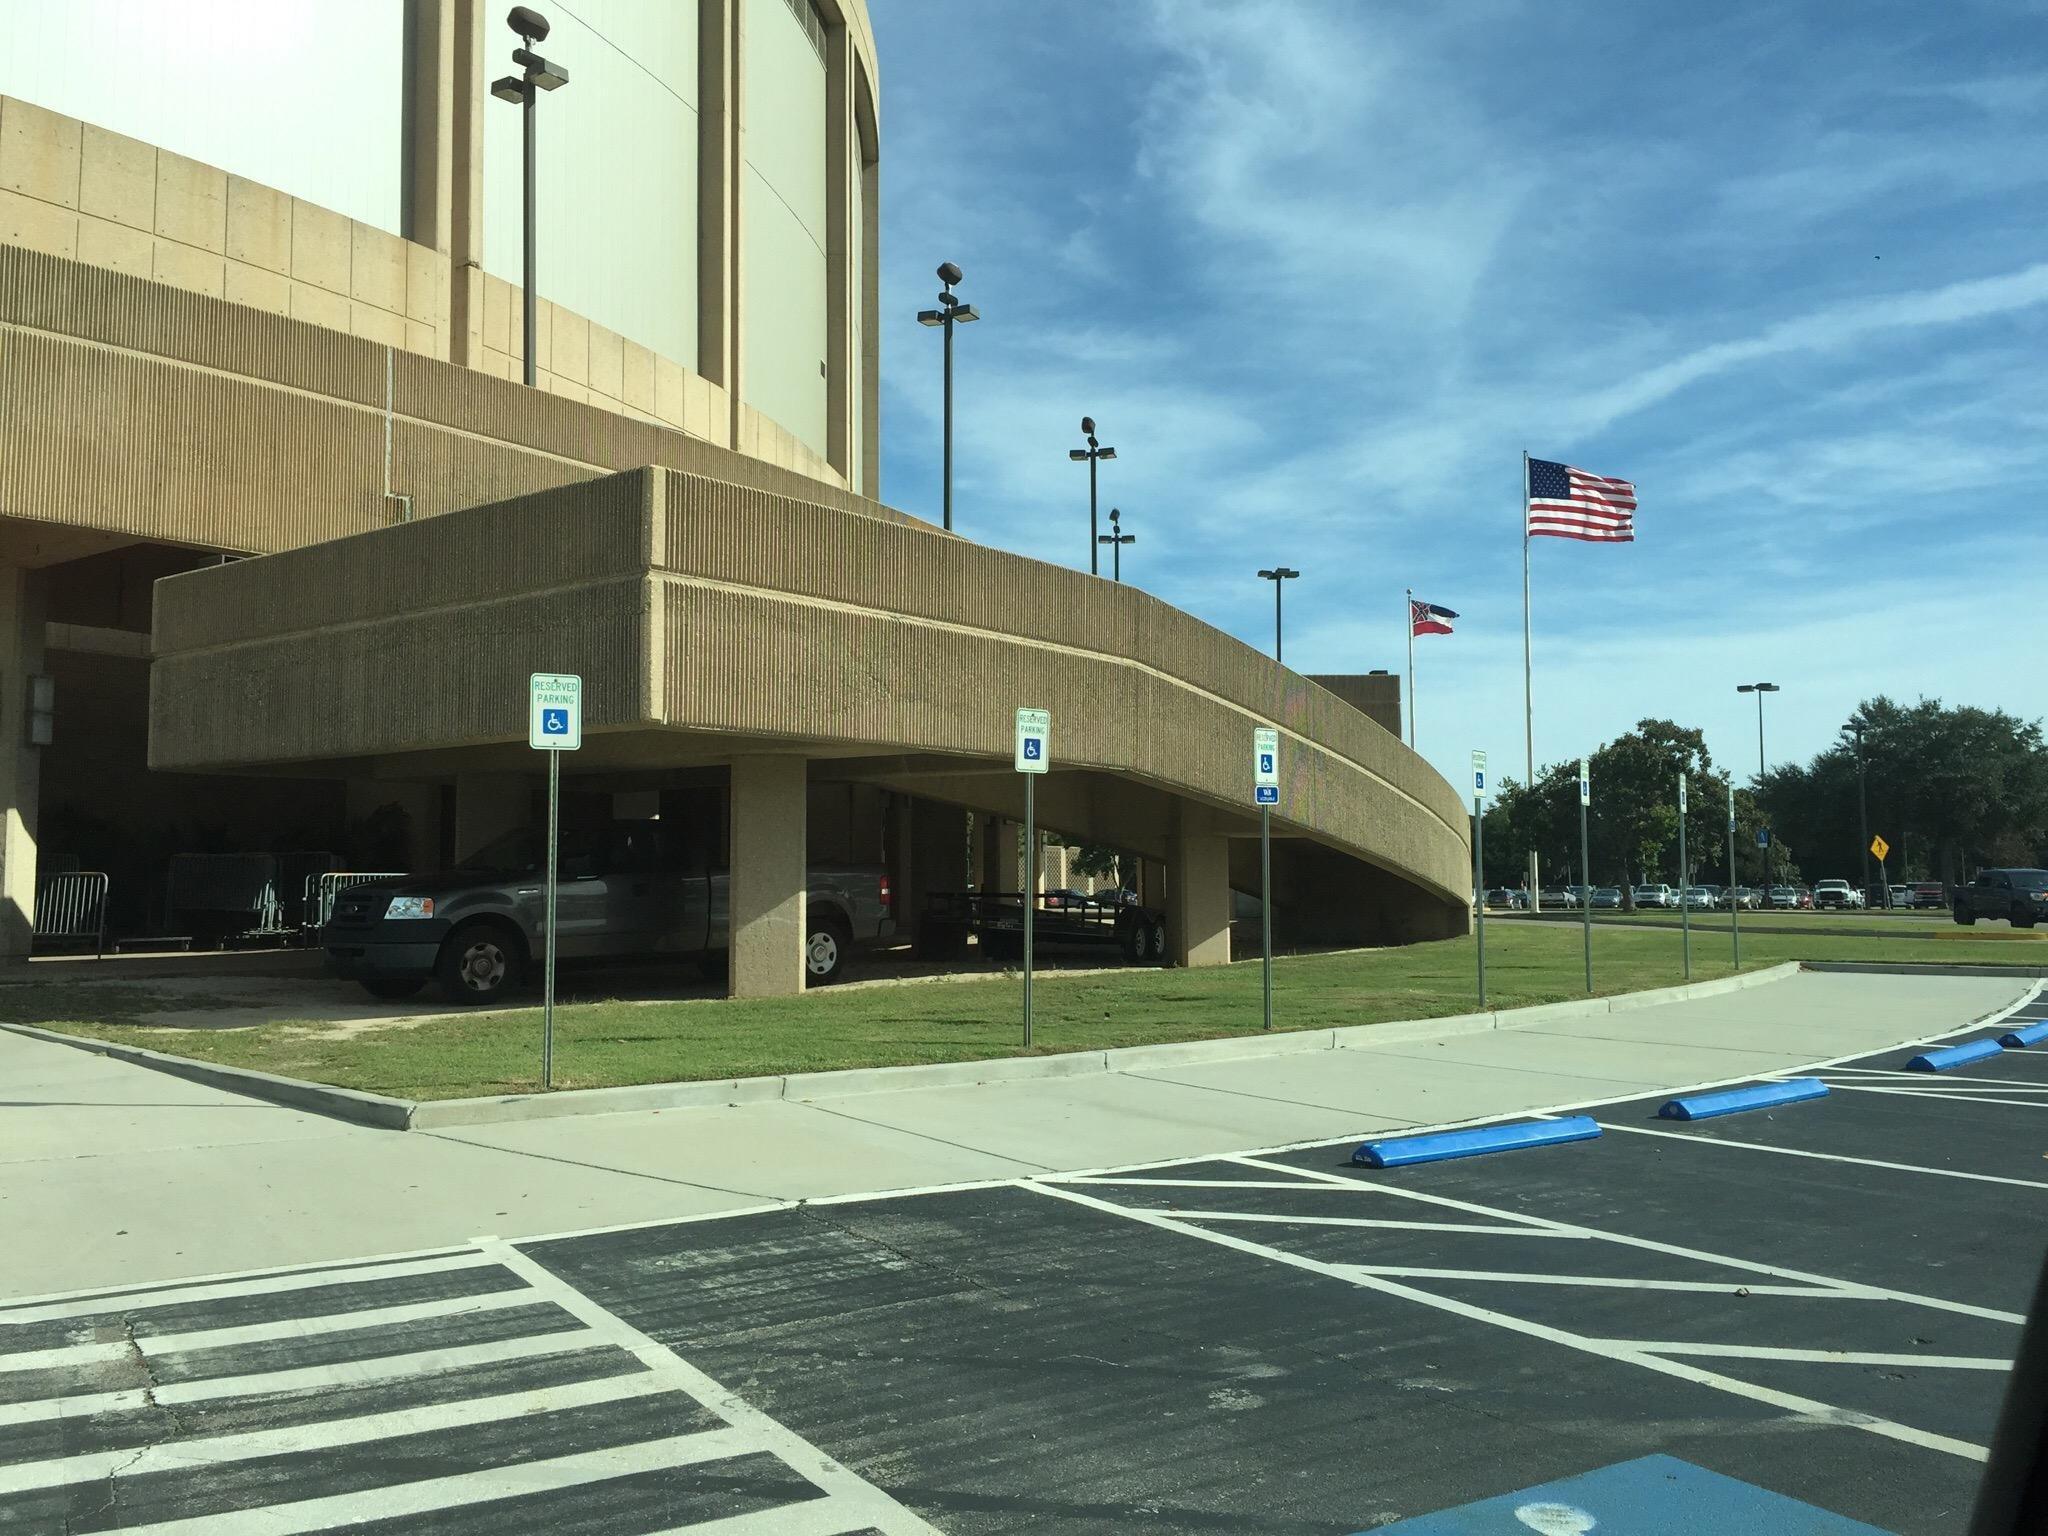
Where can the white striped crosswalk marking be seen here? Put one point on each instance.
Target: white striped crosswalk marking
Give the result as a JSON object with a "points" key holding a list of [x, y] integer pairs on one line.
{"points": [[566, 1325]]}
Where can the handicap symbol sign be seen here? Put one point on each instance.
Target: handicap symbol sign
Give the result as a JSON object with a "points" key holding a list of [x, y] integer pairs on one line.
{"points": [[1034, 748], [1265, 762], [554, 722]]}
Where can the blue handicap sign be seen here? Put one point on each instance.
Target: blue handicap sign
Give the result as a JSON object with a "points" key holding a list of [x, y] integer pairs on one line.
{"points": [[554, 722], [1479, 778], [1269, 794], [1265, 762], [1658, 1494], [1034, 749], [1763, 837]]}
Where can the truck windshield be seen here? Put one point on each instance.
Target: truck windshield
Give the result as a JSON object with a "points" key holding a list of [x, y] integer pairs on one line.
{"points": [[523, 851], [2030, 879]]}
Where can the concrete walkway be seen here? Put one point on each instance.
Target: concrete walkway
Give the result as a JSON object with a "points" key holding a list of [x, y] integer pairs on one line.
{"points": [[113, 1174]]}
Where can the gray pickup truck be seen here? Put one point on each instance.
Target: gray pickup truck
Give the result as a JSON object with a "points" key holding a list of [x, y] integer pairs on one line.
{"points": [[620, 893]]}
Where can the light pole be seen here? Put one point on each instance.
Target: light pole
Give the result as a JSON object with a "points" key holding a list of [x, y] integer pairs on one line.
{"points": [[538, 75], [1116, 539], [1862, 811], [1760, 689], [949, 313], [1092, 453], [1279, 575]]}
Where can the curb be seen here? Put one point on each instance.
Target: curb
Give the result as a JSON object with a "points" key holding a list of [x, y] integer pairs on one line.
{"points": [[1922, 968], [384, 1113]]}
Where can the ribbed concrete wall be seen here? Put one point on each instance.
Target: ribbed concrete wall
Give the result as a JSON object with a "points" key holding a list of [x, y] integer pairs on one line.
{"points": [[716, 611]]}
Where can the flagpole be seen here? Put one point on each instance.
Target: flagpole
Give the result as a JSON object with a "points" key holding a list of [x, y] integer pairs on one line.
{"points": [[1528, 690], [1411, 669]]}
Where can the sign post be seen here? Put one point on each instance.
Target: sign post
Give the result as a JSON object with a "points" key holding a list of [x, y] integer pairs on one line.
{"points": [[1266, 791], [1684, 882], [1479, 864], [1734, 902], [1586, 868], [1034, 756], [554, 725], [1880, 848]]}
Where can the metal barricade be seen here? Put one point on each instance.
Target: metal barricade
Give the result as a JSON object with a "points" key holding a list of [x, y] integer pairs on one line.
{"points": [[72, 906], [321, 889]]}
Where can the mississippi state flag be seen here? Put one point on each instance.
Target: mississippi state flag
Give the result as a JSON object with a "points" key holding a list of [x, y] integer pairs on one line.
{"points": [[1428, 619]]}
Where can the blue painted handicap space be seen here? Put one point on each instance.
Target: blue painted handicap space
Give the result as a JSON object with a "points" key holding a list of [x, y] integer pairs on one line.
{"points": [[1655, 1494]]}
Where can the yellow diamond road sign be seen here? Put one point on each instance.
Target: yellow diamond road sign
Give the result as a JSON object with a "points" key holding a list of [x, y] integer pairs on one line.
{"points": [[1880, 847]]}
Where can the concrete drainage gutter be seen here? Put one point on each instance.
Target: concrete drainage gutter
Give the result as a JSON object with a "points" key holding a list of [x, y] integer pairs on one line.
{"points": [[384, 1113]]}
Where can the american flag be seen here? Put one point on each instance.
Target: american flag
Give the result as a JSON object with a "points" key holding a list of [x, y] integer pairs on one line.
{"points": [[1428, 619], [1567, 503]]}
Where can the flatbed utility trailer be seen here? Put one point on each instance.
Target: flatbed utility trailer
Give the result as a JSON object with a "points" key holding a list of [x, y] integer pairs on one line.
{"points": [[996, 918]]}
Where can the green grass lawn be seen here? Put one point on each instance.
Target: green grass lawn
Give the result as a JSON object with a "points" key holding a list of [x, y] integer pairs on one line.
{"points": [[610, 1043], [1907, 925]]}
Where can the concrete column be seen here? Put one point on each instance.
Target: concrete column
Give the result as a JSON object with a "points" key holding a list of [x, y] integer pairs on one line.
{"points": [[937, 860], [1151, 886], [1198, 898], [487, 804], [21, 657], [841, 163], [768, 876], [467, 100], [988, 854]]}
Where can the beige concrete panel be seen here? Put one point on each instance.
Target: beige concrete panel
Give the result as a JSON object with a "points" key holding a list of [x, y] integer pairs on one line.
{"points": [[607, 363], [257, 287], [556, 385], [322, 246], [426, 285], [671, 392], [183, 267], [116, 247], [191, 203], [321, 306], [501, 316], [259, 225], [39, 152], [37, 226], [22, 609], [636, 378], [378, 325], [1198, 902], [567, 350], [423, 339], [117, 178], [377, 269], [768, 876]]}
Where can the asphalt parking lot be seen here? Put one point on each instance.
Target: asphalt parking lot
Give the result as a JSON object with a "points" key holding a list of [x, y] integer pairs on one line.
{"points": [[1812, 1304]]}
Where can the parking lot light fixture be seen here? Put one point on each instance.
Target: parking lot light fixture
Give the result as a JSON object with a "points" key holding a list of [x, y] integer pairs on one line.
{"points": [[1092, 455], [1760, 689], [1280, 575], [1116, 539], [536, 75], [951, 312]]}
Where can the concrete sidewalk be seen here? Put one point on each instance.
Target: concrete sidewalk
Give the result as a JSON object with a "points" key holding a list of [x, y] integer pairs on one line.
{"points": [[113, 1174]]}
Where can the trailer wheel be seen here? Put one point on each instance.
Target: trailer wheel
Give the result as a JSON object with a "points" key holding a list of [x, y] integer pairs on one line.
{"points": [[1156, 933]]}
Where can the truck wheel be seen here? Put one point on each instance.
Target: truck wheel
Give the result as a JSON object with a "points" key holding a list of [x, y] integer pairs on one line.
{"points": [[827, 943], [1967, 919], [391, 988], [480, 963], [1156, 940], [2022, 919]]}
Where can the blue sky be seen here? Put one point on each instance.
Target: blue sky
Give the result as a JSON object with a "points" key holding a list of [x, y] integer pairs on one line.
{"points": [[1321, 270]]}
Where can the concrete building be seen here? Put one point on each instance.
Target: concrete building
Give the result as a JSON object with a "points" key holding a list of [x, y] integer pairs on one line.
{"points": [[273, 311]]}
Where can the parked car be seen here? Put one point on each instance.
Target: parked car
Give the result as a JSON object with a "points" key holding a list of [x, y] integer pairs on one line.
{"points": [[1607, 898], [1701, 898], [476, 929], [1783, 898], [1837, 894], [1067, 896], [1656, 896], [2020, 896], [1557, 898], [1929, 893], [1116, 896]]}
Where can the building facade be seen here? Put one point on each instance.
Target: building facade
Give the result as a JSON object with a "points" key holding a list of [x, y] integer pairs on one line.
{"points": [[304, 343]]}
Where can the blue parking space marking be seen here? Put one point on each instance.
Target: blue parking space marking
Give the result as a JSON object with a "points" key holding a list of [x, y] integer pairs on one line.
{"points": [[1735, 1101], [2020, 1039], [1654, 1493], [1400, 1151]]}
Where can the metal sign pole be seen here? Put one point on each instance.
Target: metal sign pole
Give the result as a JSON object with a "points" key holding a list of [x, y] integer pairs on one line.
{"points": [[1479, 889], [1734, 901], [1586, 871], [1030, 852], [1684, 882], [547, 1034], [1266, 910]]}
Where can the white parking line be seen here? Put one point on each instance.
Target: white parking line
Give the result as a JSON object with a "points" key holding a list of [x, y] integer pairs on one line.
{"points": [[213, 1288], [1816, 1356], [1828, 1157], [1922, 1078], [154, 1345], [1612, 1282], [1933, 1093], [1791, 1402], [328, 1434], [1364, 1221], [1725, 1261]]}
